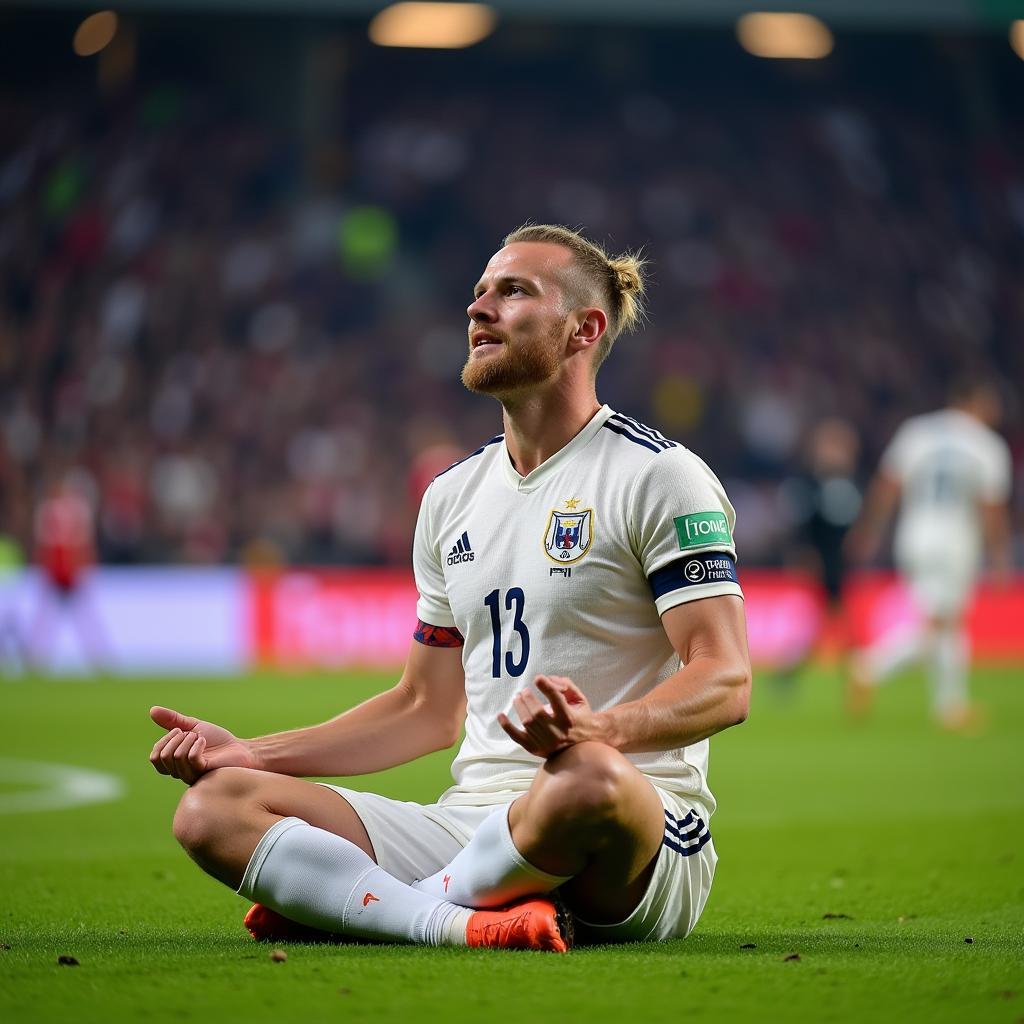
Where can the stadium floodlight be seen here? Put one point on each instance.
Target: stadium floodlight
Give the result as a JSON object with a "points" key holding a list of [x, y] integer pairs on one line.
{"points": [[432, 25], [784, 35], [1017, 38], [95, 33]]}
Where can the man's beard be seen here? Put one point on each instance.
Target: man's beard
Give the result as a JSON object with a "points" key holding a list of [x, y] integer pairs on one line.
{"points": [[527, 364]]}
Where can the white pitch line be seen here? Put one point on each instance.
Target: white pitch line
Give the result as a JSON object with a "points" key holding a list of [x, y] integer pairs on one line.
{"points": [[55, 787]]}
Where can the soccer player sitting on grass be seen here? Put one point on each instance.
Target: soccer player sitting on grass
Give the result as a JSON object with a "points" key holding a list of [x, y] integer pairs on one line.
{"points": [[579, 543]]}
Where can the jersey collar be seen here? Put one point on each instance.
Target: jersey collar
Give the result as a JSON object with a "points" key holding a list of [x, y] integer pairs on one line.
{"points": [[554, 464]]}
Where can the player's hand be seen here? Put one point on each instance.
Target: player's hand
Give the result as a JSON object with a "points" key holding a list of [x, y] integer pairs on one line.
{"points": [[546, 729], [190, 747]]}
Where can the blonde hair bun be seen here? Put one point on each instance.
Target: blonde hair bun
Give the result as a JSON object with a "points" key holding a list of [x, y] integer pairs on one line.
{"points": [[618, 281]]}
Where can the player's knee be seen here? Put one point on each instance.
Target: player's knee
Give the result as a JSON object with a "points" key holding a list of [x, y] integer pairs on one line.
{"points": [[592, 783], [229, 783], [204, 812], [191, 822]]}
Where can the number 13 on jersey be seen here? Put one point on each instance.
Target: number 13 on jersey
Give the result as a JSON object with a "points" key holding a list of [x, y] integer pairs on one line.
{"points": [[515, 602]]}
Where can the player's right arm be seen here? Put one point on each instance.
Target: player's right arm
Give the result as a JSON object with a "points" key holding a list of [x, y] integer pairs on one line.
{"points": [[865, 537], [422, 713], [883, 496]]}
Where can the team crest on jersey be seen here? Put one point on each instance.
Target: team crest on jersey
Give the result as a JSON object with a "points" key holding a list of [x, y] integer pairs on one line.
{"points": [[569, 535]]}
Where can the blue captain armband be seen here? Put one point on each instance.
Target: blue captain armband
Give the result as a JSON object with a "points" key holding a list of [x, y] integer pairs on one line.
{"points": [[701, 570]]}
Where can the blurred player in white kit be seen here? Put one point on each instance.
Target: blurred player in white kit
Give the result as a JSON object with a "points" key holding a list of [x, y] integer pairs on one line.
{"points": [[948, 473]]}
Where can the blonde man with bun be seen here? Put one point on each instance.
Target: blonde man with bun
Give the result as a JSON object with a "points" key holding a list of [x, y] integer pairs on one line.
{"points": [[579, 616]]}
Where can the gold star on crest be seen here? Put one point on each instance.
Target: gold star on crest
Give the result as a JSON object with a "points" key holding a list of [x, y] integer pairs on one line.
{"points": [[571, 503]]}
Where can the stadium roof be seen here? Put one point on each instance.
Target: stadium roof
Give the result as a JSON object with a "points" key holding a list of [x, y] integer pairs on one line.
{"points": [[865, 14]]}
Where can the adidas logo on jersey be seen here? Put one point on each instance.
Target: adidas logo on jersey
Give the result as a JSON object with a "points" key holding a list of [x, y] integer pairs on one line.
{"points": [[461, 551]]}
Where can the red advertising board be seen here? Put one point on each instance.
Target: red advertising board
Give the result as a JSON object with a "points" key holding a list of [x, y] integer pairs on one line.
{"points": [[225, 620], [340, 618], [332, 618], [878, 602]]}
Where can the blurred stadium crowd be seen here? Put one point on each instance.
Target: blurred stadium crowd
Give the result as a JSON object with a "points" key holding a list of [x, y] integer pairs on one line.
{"points": [[238, 343]]}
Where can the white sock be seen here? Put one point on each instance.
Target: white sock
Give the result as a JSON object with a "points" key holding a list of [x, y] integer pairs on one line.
{"points": [[317, 878], [489, 871], [893, 652], [949, 670]]}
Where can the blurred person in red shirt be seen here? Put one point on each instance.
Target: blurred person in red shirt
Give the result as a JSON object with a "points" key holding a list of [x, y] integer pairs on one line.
{"points": [[64, 532]]}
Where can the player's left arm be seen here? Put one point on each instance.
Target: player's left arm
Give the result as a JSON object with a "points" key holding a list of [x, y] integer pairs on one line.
{"points": [[995, 521], [997, 483], [680, 523], [709, 693]]}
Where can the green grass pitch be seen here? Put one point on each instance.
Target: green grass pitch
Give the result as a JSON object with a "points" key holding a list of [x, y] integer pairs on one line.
{"points": [[856, 863]]}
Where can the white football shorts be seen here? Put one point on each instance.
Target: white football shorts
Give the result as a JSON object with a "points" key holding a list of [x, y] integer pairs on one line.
{"points": [[941, 576], [412, 841]]}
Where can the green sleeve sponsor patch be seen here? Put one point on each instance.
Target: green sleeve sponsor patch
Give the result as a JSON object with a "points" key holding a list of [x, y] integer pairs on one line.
{"points": [[702, 528]]}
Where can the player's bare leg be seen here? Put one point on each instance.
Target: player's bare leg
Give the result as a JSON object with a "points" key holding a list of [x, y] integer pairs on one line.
{"points": [[302, 850], [888, 655], [221, 819], [590, 826], [592, 815], [948, 671], [860, 687]]}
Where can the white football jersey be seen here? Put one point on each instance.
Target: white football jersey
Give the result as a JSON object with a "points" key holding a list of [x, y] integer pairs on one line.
{"points": [[566, 571], [948, 464]]}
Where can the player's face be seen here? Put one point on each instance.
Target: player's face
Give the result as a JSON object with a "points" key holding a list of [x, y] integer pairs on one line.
{"points": [[518, 319]]}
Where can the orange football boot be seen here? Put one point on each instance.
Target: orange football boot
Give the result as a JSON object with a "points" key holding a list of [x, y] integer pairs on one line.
{"points": [[966, 719], [533, 923], [266, 925]]}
